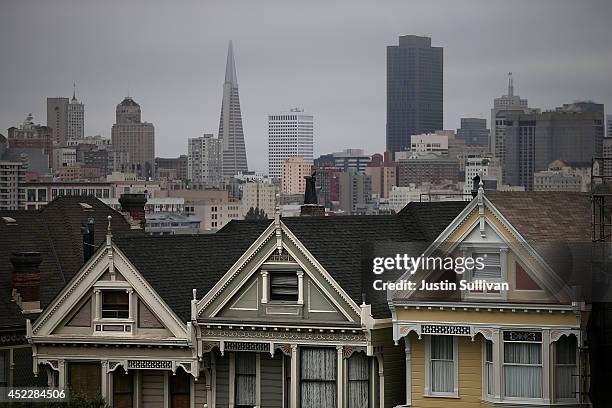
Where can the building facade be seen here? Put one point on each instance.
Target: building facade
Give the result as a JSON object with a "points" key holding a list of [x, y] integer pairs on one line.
{"points": [[290, 134], [31, 136], [231, 134], [75, 128], [474, 132], [414, 90], [259, 194], [12, 191], [562, 176], [293, 172], [135, 139], [204, 159], [427, 168], [347, 159], [355, 193], [383, 172]]}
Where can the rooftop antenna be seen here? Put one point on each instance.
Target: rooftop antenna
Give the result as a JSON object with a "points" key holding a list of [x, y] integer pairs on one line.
{"points": [[74, 91], [510, 85]]}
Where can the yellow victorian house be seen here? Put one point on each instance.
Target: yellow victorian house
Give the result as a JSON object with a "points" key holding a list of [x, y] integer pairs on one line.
{"points": [[471, 346]]}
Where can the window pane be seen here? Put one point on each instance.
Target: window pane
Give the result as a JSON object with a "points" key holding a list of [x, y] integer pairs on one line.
{"points": [[523, 353], [115, 304], [358, 381], [245, 364], [318, 378], [85, 379], [565, 367], [283, 286], [492, 266], [442, 364], [123, 389], [3, 368], [523, 370]]}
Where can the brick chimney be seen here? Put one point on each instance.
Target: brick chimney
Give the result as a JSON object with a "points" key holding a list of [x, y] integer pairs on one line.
{"points": [[26, 280], [134, 205]]}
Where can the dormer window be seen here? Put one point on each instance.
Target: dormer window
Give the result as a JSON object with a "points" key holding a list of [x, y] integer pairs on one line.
{"points": [[284, 286], [492, 266], [115, 304]]}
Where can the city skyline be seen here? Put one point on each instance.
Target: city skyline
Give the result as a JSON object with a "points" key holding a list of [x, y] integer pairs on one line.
{"points": [[341, 82]]}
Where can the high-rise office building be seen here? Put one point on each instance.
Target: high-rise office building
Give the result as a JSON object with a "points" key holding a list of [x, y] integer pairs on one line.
{"points": [[204, 159], [290, 134], [414, 90], [234, 158], [57, 118], [506, 104], [31, 136], [346, 159], [133, 140], [12, 190], [609, 126], [474, 132], [534, 140], [75, 128], [66, 117]]}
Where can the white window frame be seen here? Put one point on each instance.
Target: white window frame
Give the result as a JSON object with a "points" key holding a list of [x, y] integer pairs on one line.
{"points": [[544, 348], [553, 386], [427, 391], [486, 385]]}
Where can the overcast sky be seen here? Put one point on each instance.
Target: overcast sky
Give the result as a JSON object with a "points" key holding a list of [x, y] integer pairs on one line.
{"points": [[325, 56]]}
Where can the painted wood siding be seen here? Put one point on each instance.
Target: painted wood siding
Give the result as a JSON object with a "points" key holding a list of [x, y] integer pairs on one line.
{"points": [[271, 380], [152, 393], [222, 391], [395, 374], [200, 392], [470, 375]]}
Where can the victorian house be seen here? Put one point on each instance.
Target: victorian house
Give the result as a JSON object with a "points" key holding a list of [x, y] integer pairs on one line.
{"points": [[524, 346]]}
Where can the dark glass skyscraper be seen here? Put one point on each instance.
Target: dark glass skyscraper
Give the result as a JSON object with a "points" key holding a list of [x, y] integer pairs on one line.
{"points": [[414, 90]]}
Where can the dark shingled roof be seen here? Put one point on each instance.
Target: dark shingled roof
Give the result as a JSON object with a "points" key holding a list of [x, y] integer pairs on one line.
{"points": [[55, 232]]}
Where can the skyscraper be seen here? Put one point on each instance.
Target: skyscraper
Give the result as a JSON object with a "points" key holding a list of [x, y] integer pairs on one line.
{"points": [[234, 159], [290, 134], [66, 117], [414, 90], [75, 127], [503, 106], [133, 140]]}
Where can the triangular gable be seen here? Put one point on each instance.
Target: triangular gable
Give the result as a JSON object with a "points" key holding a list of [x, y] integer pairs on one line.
{"points": [[107, 261], [481, 223], [231, 290]]}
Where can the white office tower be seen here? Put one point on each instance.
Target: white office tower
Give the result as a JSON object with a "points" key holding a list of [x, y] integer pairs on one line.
{"points": [[204, 159], [290, 134], [76, 118]]}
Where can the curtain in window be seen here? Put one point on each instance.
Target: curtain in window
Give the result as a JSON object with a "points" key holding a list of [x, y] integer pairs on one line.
{"points": [[442, 364], [3, 368], [565, 367], [489, 366], [523, 370], [245, 364], [318, 379], [358, 381]]}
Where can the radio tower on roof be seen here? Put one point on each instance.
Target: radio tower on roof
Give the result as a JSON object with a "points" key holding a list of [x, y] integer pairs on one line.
{"points": [[234, 159]]}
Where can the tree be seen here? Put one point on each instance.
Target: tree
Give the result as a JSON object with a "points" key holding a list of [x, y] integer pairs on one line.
{"points": [[255, 214]]}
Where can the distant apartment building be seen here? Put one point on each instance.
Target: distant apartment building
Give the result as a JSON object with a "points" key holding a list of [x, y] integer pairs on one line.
{"points": [[427, 168], [399, 197], [96, 140], [259, 194], [171, 168], [64, 156], [533, 140], [92, 155], [204, 155], [355, 193], [171, 223], [328, 186], [383, 172], [290, 134], [134, 137], [12, 191], [563, 176], [345, 160], [28, 135], [414, 90], [429, 142], [294, 171], [78, 172], [479, 166], [474, 132]]}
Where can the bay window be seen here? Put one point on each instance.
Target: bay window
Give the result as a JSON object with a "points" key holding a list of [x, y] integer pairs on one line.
{"points": [[523, 364], [318, 378], [565, 368]]}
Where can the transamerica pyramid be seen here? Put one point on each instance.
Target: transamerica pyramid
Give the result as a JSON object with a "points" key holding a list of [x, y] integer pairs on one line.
{"points": [[233, 159]]}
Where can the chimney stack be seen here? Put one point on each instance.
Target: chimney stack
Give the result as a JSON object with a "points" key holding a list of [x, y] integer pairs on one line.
{"points": [[134, 205], [26, 280], [89, 243], [311, 206]]}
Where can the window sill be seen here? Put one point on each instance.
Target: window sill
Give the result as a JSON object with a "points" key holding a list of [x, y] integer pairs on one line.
{"points": [[449, 395]]}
